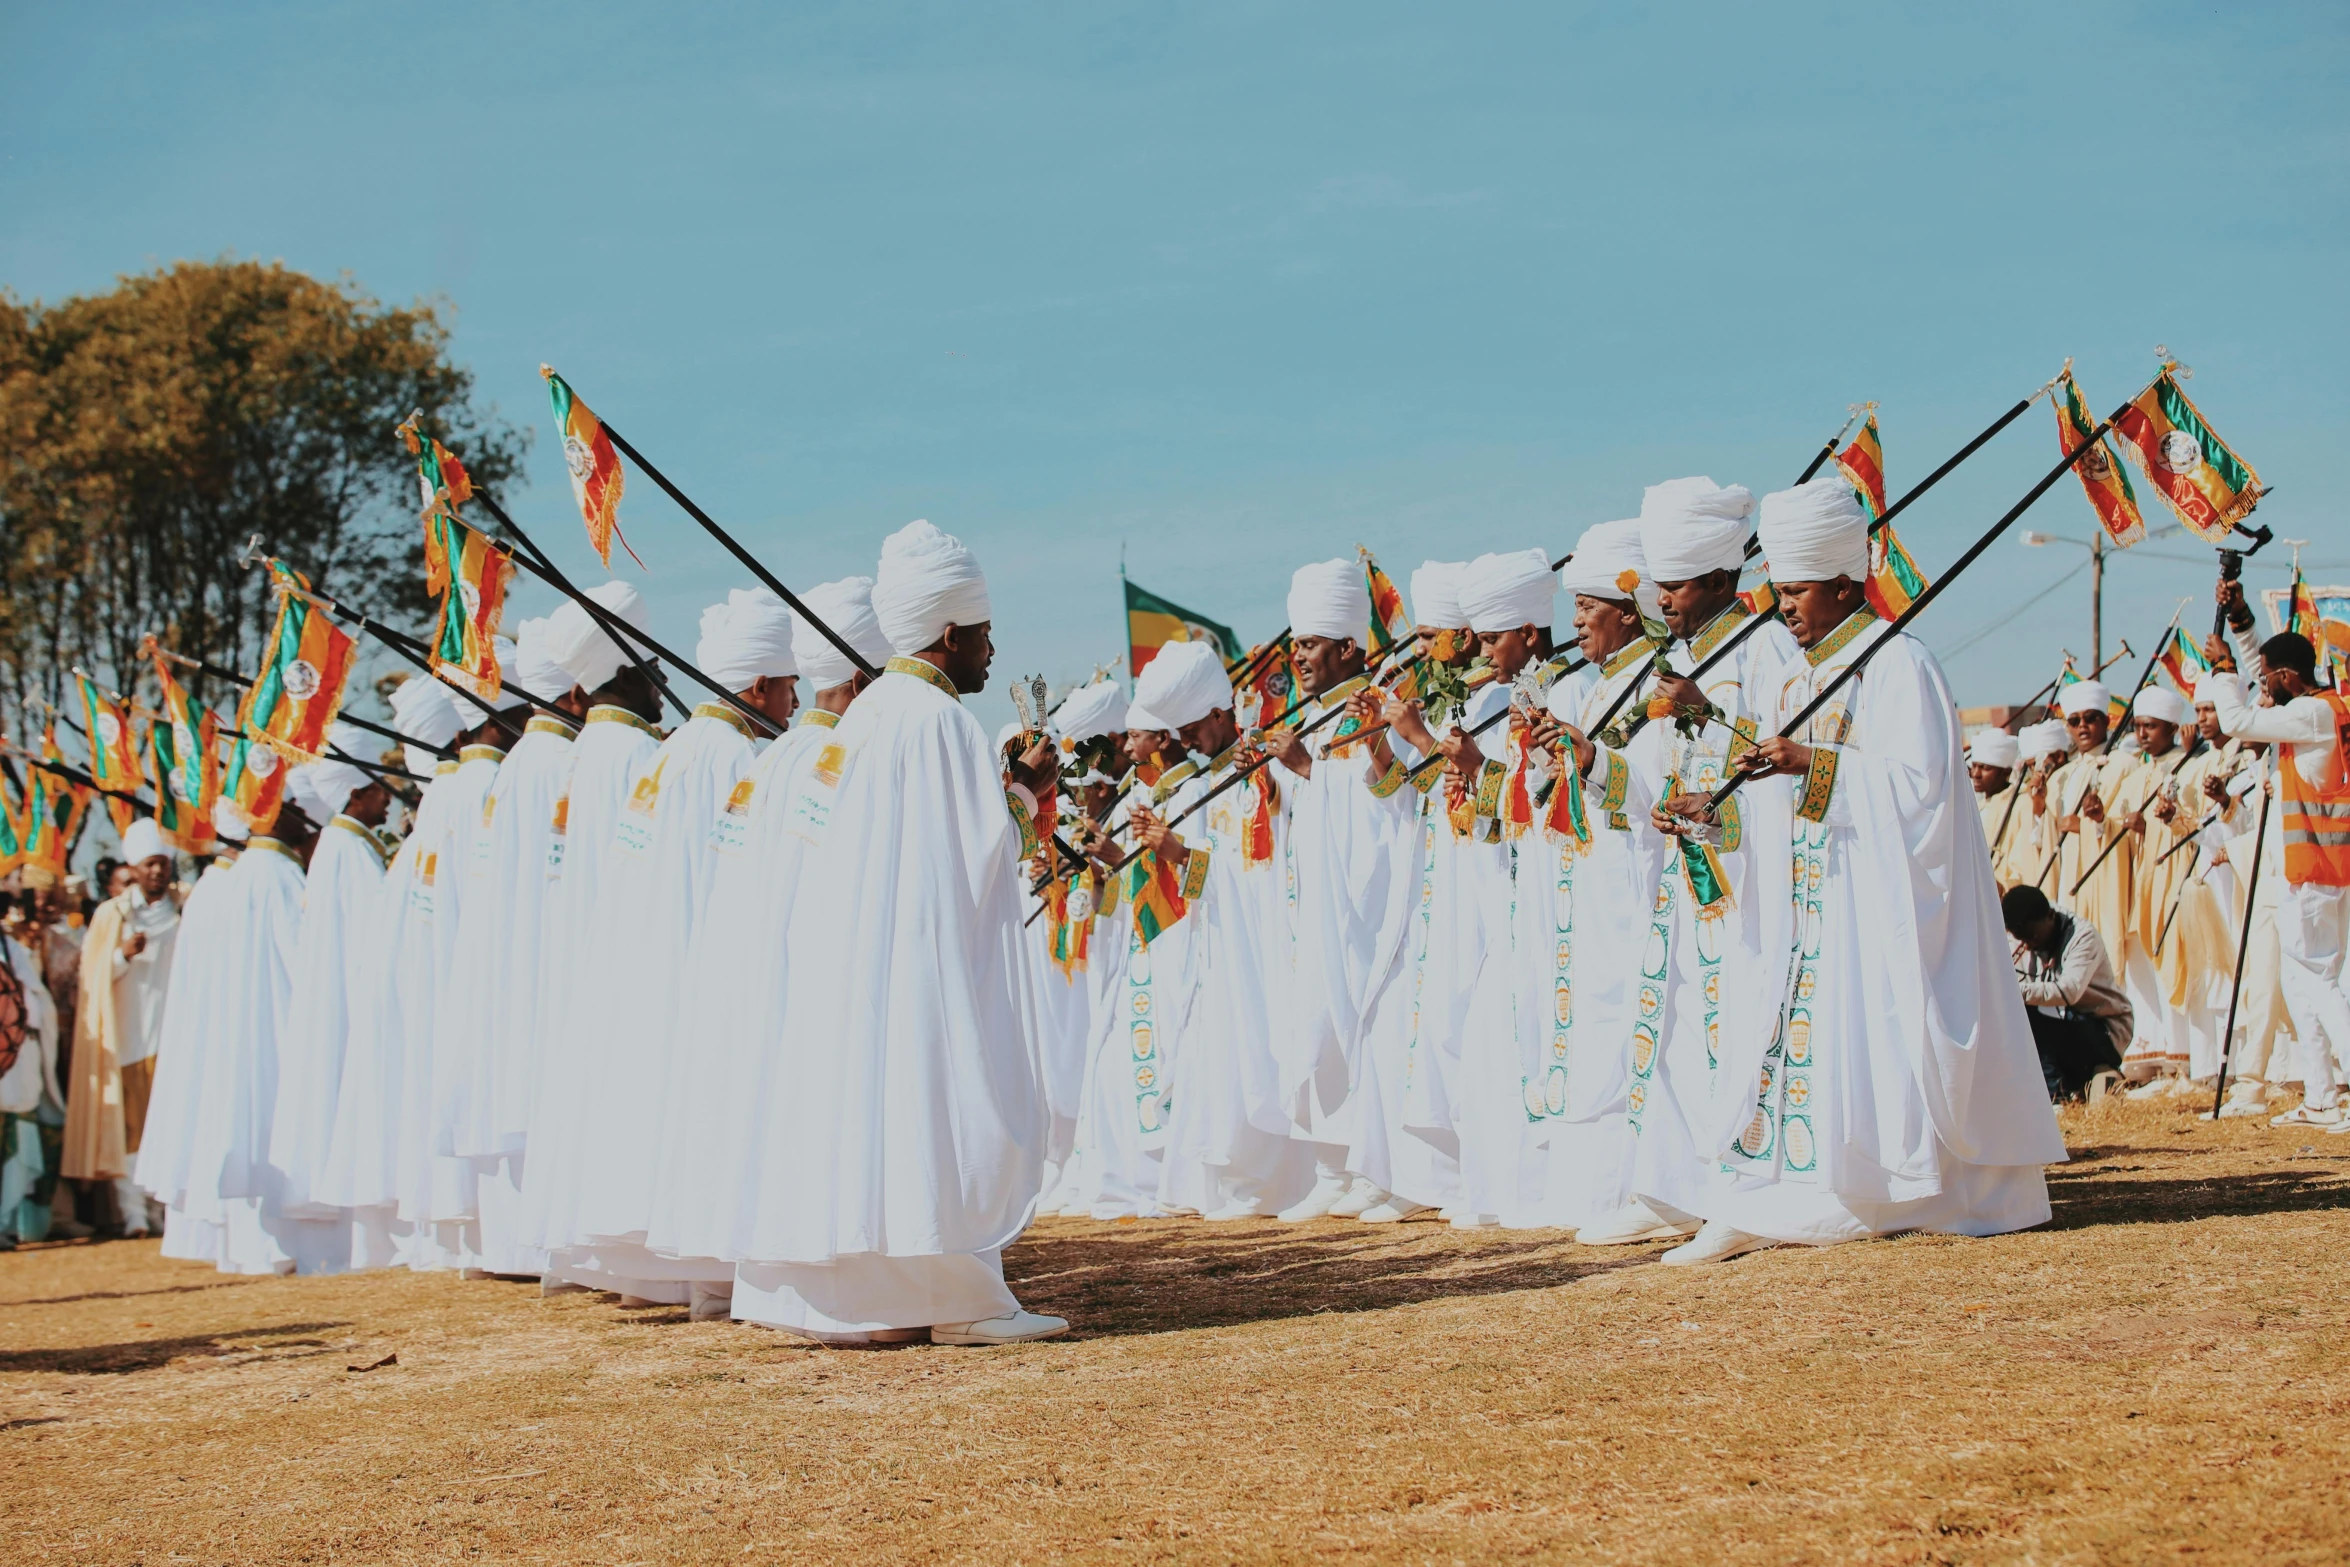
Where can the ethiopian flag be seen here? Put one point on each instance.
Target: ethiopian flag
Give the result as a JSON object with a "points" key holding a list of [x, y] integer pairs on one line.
{"points": [[1152, 622], [253, 782], [2205, 483], [1391, 622], [2183, 661], [446, 487], [1863, 465], [52, 817], [2108, 484], [187, 766], [1155, 890], [473, 604], [114, 750], [596, 475], [1894, 579], [303, 673]]}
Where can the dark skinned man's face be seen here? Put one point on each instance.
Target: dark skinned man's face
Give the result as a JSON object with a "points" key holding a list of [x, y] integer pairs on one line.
{"points": [[369, 804], [1324, 662], [630, 689], [1212, 734], [154, 875], [1603, 627], [966, 651], [1986, 778], [2284, 685], [2207, 723], [1458, 644], [1148, 747], [2088, 729], [2154, 735], [1688, 606], [1813, 609], [1508, 651]]}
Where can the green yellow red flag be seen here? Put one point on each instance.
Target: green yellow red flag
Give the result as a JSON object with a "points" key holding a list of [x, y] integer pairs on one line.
{"points": [[187, 766], [2183, 661], [1152, 622], [114, 748], [1391, 622], [473, 605], [2208, 485], [253, 782], [303, 672], [1894, 579], [594, 465], [1863, 465], [2110, 495]]}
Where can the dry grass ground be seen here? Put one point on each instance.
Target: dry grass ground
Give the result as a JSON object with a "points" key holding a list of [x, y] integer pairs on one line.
{"points": [[2159, 1374]]}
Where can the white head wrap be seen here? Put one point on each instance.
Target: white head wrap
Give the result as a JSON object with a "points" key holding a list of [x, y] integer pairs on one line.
{"points": [[142, 840], [1141, 720], [1436, 598], [332, 782], [1993, 748], [747, 636], [534, 667], [302, 793], [1330, 598], [1091, 712], [1605, 552], [1184, 684], [1504, 592], [2160, 702], [585, 650], [1689, 527], [2084, 696], [847, 607], [227, 825], [1815, 532], [927, 582], [2212, 678], [2045, 738]]}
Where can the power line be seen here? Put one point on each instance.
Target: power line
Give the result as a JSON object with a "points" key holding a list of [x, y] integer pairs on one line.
{"points": [[1954, 651]]}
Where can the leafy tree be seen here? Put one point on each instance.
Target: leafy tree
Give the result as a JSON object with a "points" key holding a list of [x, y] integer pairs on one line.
{"points": [[147, 433]]}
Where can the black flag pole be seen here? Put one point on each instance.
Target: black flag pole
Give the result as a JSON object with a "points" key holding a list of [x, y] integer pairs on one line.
{"points": [[2227, 1036], [206, 667]]}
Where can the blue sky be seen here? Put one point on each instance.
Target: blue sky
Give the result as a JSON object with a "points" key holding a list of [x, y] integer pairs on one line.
{"points": [[1227, 288]]}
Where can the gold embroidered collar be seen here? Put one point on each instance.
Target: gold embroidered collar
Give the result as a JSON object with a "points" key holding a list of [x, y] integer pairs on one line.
{"points": [[1839, 639], [480, 753], [603, 713], [819, 718], [1625, 657], [548, 724], [272, 846], [725, 715], [923, 671], [359, 830], [1711, 635], [1338, 694], [444, 768]]}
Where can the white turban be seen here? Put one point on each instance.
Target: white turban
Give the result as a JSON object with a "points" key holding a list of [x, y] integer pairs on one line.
{"points": [[1689, 527], [747, 636], [2211, 679], [423, 710], [1436, 598], [301, 792], [142, 840], [1815, 532], [2046, 738], [1330, 598], [1504, 592], [471, 711], [1184, 684], [534, 667], [1141, 720], [330, 780], [227, 824], [1091, 712], [1994, 748], [2160, 702], [847, 607], [2084, 696], [1605, 552], [585, 649], [927, 582]]}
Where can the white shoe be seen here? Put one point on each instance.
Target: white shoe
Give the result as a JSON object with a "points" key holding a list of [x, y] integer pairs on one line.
{"points": [[2154, 1088], [1361, 1197], [1234, 1210], [1716, 1242], [1450, 1211], [549, 1287], [712, 1303], [2302, 1115], [1018, 1328], [1393, 1211], [1316, 1203], [1475, 1221], [1632, 1224], [2245, 1099], [638, 1303]]}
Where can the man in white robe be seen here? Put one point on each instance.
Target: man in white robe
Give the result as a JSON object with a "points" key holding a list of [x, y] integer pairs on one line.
{"points": [[164, 1153], [716, 1109], [125, 983], [1229, 1151], [661, 864], [341, 896], [912, 1152], [1898, 1088]]}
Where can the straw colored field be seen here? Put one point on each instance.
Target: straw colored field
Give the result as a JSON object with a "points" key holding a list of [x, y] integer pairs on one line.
{"points": [[2159, 1373]]}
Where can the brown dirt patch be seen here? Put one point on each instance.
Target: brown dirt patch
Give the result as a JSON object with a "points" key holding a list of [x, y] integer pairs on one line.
{"points": [[2157, 1374]]}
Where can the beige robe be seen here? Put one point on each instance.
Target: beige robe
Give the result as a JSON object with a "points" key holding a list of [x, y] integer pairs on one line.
{"points": [[97, 1127], [2104, 898]]}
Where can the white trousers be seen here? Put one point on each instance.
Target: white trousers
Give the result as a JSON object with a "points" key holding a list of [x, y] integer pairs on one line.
{"points": [[2313, 935]]}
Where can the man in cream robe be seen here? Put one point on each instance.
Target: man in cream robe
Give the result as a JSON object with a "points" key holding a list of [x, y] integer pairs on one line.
{"points": [[911, 1153], [126, 978], [1993, 758], [718, 1102], [2079, 794], [341, 895], [2159, 1048], [661, 865], [1897, 1086]]}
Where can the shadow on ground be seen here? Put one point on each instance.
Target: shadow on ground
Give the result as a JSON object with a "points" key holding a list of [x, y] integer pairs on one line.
{"points": [[2093, 1197], [239, 1345]]}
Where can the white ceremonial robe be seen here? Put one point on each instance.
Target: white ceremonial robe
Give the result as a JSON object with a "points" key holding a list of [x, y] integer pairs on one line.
{"points": [[911, 1152], [659, 869], [240, 1225], [1689, 963], [341, 895], [1580, 921], [163, 1162], [1123, 1118], [714, 1112], [1353, 859], [487, 1032], [612, 748], [1899, 1088]]}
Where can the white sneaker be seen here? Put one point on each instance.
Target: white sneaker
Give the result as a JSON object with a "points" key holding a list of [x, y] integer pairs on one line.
{"points": [[1361, 1197], [2302, 1115], [1716, 1242], [1018, 1328], [1316, 1203], [1394, 1210], [1628, 1225], [2245, 1099], [712, 1303]]}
